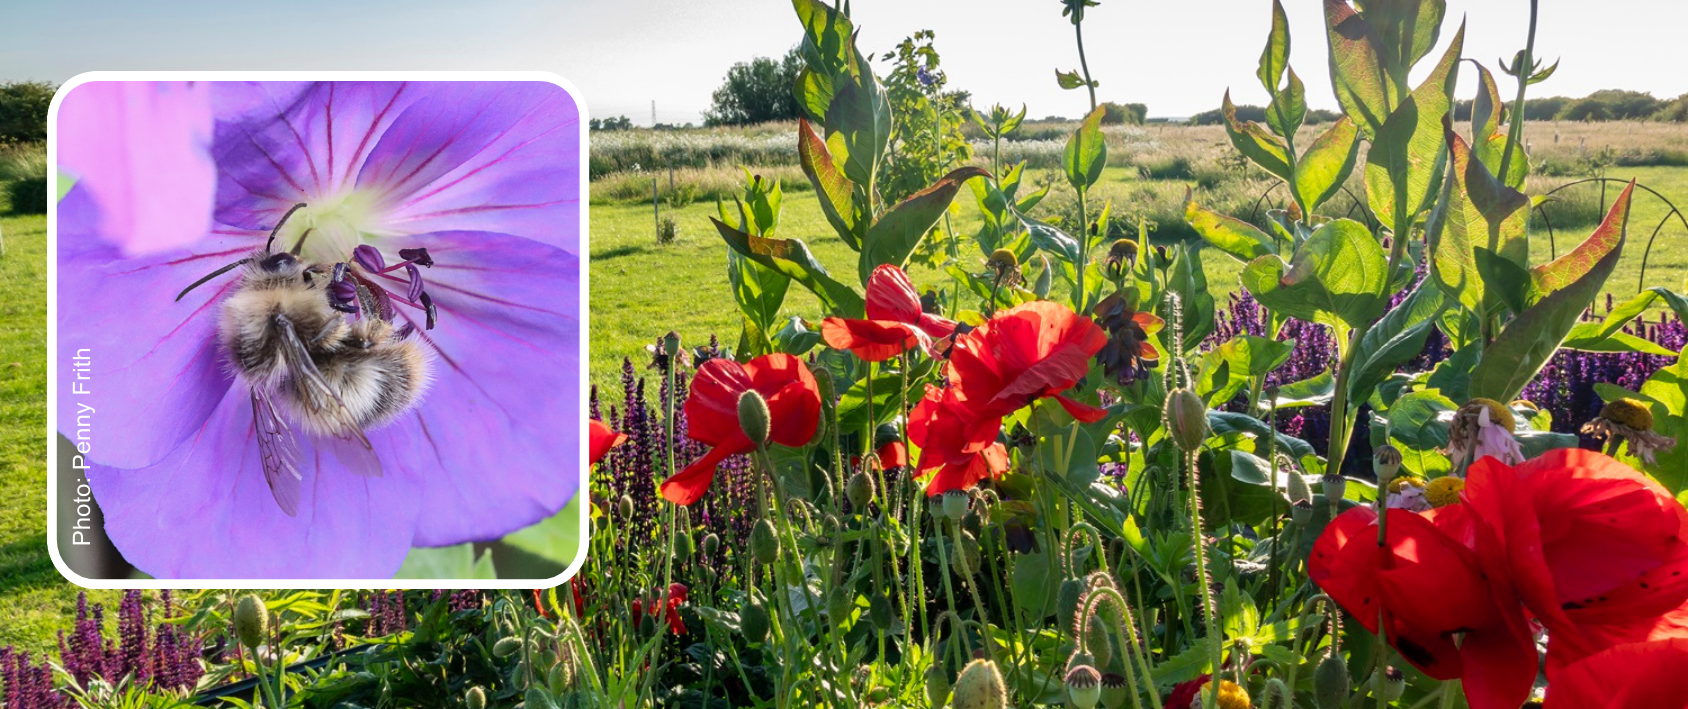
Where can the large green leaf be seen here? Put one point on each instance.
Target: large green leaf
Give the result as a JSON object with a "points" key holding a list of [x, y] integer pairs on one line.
{"points": [[1256, 143], [1406, 30], [1227, 368], [1241, 240], [1336, 277], [793, 259], [1526, 343], [891, 239], [835, 191], [860, 116], [1480, 212], [1407, 155], [1087, 152], [1364, 86], [1190, 278], [1275, 58], [1606, 334], [1413, 419], [1667, 394], [556, 538], [1288, 107], [1326, 164], [759, 292], [1394, 340], [447, 563]]}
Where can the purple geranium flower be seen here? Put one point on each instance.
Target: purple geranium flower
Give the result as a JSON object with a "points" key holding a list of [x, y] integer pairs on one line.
{"points": [[477, 183]]}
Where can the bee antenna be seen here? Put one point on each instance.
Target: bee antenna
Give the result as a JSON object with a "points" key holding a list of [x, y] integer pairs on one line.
{"points": [[210, 276], [279, 224]]}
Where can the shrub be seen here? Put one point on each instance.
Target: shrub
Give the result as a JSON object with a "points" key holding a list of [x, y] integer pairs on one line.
{"points": [[1120, 114], [23, 111]]}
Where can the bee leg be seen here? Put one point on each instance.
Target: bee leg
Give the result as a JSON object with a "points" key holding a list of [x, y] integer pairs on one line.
{"points": [[327, 328]]}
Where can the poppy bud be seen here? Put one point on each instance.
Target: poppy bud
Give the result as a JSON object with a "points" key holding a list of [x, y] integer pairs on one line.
{"points": [[753, 417], [1084, 687], [1045, 277], [1386, 462], [1298, 489], [626, 507], [475, 698], [506, 647], [754, 621], [956, 503], [647, 624], [937, 686], [1330, 682], [251, 620], [1096, 639], [1275, 695], [980, 687], [966, 561], [879, 609], [1066, 600], [824, 383], [764, 546], [1114, 691], [559, 678], [840, 604], [711, 544], [1335, 488], [683, 546], [1186, 419], [860, 490]]}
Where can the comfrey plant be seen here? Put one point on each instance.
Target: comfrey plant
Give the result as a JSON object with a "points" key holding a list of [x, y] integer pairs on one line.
{"points": [[439, 218]]}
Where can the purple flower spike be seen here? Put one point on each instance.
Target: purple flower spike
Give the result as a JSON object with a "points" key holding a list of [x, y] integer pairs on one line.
{"points": [[369, 258], [483, 175]]}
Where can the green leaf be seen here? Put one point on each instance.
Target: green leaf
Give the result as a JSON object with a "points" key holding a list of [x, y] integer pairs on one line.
{"points": [[1667, 394], [1069, 79], [1413, 419], [1527, 342], [1189, 278], [1406, 29], [1227, 368], [1607, 334], [1480, 212], [796, 338], [1316, 390], [1275, 58], [861, 116], [853, 404], [1227, 422], [1288, 107], [1241, 618], [1364, 87], [836, 192], [1087, 152], [448, 563], [1256, 143], [1336, 277], [793, 259], [556, 538], [758, 290], [1326, 165], [1506, 282], [1407, 155], [1051, 239], [1394, 340], [896, 235], [1240, 239]]}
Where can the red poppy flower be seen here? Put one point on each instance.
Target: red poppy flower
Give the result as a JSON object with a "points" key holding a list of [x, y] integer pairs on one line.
{"points": [[1184, 694], [895, 321], [1448, 612], [1631, 675], [602, 439], [794, 407], [1597, 550], [1025, 353], [891, 455], [957, 448]]}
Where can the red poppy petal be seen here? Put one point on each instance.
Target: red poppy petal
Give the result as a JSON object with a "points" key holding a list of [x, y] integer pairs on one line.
{"points": [[1633, 675], [989, 463], [892, 455], [712, 404], [891, 296], [871, 340], [690, 484], [939, 328], [1342, 561], [794, 398], [601, 439], [1500, 668], [1082, 411]]}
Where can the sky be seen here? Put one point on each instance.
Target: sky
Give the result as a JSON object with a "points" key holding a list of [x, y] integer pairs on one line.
{"points": [[1176, 56]]}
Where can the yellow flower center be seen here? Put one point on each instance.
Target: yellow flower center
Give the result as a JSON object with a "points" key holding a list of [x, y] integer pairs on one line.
{"points": [[1628, 412], [1232, 696], [1401, 483], [1443, 491], [331, 227], [1499, 415]]}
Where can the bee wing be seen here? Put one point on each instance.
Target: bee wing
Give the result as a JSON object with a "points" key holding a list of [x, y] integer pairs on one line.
{"points": [[358, 457], [320, 396], [278, 452]]}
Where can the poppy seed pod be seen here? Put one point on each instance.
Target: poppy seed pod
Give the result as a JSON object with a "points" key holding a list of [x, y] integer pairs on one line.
{"points": [[754, 621], [1335, 488], [1330, 682], [937, 686], [475, 698], [753, 417], [1084, 687], [859, 490], [935, 506], [1114, 690], [1301, 512], [968, 560], [671, 342], [840, 604], [251, 620], [956, 503], [764, 545], [980, 687], [1394, 684], [1386, 462], [507, 646], [1185, 416]]}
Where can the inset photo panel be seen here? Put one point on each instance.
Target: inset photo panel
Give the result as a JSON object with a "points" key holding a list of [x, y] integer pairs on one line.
{"points": [[316, 330]]}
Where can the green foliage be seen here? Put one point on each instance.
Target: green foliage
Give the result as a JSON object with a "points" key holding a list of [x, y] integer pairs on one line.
{"points": [[756, 91], [23, 111], [926, 139], [1124, 114]]}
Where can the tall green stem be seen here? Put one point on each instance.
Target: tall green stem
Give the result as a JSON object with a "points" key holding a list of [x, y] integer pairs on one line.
{"points": [[1215, 654], [1526, 61]]}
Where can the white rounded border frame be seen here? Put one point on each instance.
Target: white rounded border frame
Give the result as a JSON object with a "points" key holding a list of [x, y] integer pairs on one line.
{"points": [[584, 355]]}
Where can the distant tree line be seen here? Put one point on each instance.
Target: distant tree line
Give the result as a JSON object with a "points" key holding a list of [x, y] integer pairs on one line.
{"points": [[757, 91], [1603, 105]]}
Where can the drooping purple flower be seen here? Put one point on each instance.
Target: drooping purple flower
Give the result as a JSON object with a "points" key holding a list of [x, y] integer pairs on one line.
{"points": [[926, 78], [477, 182]]}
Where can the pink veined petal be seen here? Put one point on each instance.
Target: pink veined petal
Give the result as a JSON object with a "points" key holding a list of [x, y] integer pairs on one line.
{"points": [[142, 152], [205, 511]]}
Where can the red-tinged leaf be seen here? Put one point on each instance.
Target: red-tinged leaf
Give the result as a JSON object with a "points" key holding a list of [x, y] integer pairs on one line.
{"points": [[1237, 238], [1362, 83], [1407, 155], [891, 239], [1256, 143], [1565, 270], [1481, 213], [792, 258], [1529, 340], [836, 191]]}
